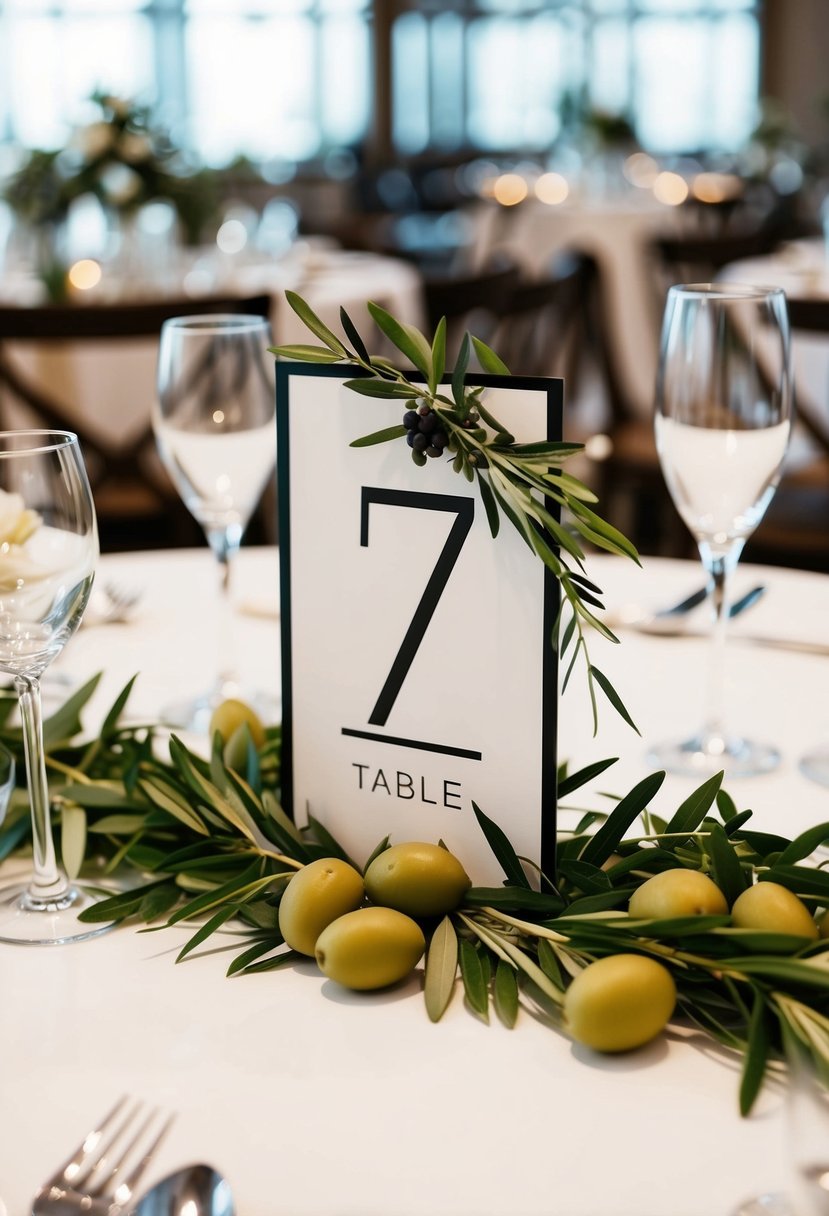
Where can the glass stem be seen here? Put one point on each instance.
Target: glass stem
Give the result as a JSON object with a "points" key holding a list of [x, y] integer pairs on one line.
{"points": [[719, 566], [225, 544], [47, 883]]}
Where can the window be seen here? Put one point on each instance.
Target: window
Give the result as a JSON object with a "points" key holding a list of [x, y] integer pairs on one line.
{"points": [[685, 72], [266, 79], [292, 79]]}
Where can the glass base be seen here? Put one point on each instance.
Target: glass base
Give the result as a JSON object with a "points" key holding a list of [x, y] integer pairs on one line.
{"points": [[194, 714], [815, 765], [28, 922], [708, 753], [771, 1204]]}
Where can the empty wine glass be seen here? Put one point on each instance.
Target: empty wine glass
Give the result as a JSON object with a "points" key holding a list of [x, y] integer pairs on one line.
{"points": [[48, 551], [806, 1114], [815, 765], [723, 417], [214, 423]]}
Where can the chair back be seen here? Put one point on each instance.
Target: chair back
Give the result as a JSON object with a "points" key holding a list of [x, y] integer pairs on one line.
{"points": [[545, 321], [473, 302], [91, 369]]}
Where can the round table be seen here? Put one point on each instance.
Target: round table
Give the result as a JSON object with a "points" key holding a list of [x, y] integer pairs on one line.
{"points": [[315, 1101]]}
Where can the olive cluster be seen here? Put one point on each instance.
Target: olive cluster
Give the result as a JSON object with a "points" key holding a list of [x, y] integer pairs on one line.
{"points": [[425, 433], [426, 436]]}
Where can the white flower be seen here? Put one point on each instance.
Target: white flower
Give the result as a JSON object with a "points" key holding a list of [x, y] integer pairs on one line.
{"points": [[120, 184], [134, 148], [17, 522]]}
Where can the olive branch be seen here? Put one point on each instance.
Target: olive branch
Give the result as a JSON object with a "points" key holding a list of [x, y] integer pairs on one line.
{"points": [[195, 842], [523, 482]]}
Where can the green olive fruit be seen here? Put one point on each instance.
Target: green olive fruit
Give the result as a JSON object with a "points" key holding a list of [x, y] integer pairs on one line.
{"points": [[619, 1002], [235, 751], [774, 909], [418, 879], [677, 892], [823, 924], [229, 715], [316, 895], [370, 948]]}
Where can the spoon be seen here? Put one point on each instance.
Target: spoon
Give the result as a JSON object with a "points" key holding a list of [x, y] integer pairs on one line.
{"points": [[194, 1190]]}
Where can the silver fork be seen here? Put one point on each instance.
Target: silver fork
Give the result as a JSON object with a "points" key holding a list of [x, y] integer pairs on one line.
{"points": [[111, 604], [101, 1175]]}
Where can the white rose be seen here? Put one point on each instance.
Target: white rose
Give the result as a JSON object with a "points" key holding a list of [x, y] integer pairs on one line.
{"points": [[17, 522]]}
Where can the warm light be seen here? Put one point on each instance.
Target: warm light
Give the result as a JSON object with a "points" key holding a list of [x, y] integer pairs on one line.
{"points": [[218, 417], [598, 447], [641, 170], [509, 189], [670, 188], [715, 187], [551, 188], [84, 274], [232, 236]]}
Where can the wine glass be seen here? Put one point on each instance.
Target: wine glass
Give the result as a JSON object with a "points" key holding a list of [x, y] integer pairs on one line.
{"points": [[48, 551], [214, 423], [806, 1114], [723, 417]]}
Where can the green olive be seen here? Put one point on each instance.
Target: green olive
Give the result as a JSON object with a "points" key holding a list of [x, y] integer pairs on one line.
{"points": [[619, 1002], [235, 751], [418, 879], [775, 909], [230, 714], [823, 924], [677, 892], [370, 948], [315, 896]]}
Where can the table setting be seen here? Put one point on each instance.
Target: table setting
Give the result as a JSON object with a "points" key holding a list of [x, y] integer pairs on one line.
{"points": [[214, 937]]}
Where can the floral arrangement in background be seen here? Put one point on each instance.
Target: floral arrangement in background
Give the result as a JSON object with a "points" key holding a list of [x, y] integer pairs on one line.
{"points": [[122, 158]]}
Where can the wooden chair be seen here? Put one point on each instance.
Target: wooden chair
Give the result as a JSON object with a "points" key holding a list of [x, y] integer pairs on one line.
{"points": [[795, 528], [544, 320], [475, 302], [700, 258], [136, 503]]}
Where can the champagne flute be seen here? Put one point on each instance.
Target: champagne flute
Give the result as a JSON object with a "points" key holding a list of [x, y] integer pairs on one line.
{"points": [[723, 417], [48, 551], [214, 422]]}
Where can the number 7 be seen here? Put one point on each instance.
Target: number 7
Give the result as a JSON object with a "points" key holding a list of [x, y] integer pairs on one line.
{"points": [[464, 509]]}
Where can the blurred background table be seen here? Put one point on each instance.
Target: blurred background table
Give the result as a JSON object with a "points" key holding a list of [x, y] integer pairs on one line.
{"points": [[316, 1101]]}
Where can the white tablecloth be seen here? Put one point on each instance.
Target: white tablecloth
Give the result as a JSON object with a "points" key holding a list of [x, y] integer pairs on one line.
{"points": [[317, 1101]]}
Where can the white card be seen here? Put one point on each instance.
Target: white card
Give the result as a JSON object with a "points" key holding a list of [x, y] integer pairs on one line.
{"points": [[418, 671]]}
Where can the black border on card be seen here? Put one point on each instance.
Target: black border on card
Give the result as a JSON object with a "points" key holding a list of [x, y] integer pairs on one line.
{"points": [[554, 388]]}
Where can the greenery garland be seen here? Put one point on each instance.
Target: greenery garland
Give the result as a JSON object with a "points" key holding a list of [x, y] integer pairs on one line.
{"points": [[202, 841], [191, 841]]}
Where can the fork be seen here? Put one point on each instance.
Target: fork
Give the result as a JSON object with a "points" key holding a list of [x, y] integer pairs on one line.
{"points": [[111, 604], [94, 1179]]}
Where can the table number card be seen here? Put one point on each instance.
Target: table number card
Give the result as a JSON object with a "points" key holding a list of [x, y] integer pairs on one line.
{"points": [[417, 670]]}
